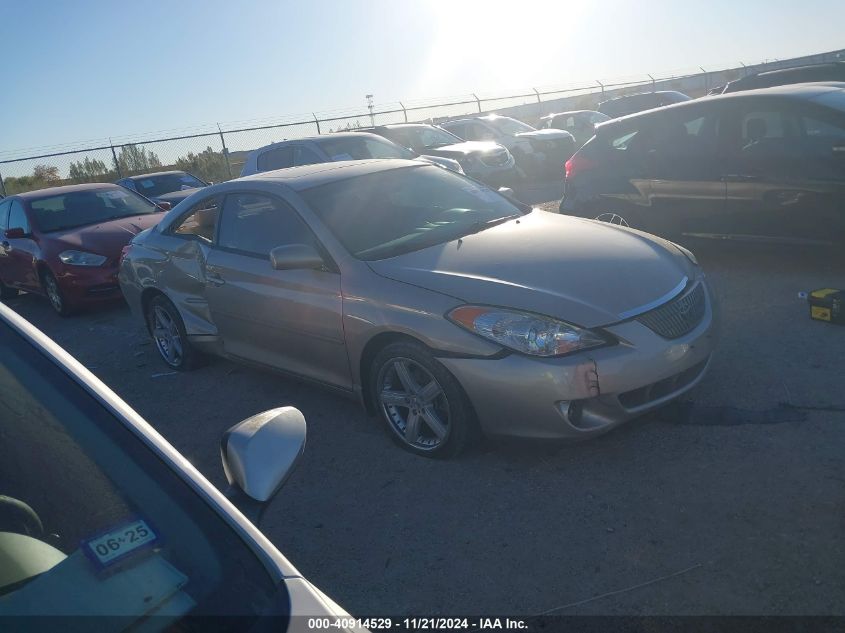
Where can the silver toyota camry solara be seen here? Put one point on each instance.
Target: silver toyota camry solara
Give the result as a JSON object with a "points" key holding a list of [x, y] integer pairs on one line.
{"points": [[446, 308]]}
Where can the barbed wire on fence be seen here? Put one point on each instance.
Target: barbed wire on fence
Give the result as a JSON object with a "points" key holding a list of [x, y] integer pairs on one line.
{"points": [[217, 152]]}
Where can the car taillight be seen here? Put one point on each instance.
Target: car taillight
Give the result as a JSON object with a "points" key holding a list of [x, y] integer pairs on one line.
{"points": [[577, 164]]}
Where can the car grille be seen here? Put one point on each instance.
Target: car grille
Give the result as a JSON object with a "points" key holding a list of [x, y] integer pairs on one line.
{"points": [[644, 395], [677, 317], [495, 159]]}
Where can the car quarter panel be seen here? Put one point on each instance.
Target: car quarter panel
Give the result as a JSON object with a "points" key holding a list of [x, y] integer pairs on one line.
{"points": [[174, 267]]}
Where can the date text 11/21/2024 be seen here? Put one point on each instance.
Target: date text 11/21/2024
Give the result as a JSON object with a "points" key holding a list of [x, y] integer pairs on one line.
{"points": [[419, 624]]}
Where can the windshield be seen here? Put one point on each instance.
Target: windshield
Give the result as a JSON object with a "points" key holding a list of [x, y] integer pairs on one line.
{"points": [[423, 137], [81, 208], [508, 125], [93, 522], [402, 210], [152, 186], [362, 148]]}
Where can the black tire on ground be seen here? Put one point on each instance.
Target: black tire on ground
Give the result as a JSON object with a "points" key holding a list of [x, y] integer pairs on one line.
{"points": [[169, 336], [54, 294], [442, 421], [6, 292]]}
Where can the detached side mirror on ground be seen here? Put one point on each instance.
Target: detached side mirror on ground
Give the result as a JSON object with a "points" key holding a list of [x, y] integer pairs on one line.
{"points": [[295, 256], [259, 454]]}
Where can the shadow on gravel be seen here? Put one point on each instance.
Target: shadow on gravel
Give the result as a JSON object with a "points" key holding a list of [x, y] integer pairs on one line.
{"points": [[692, 414]]}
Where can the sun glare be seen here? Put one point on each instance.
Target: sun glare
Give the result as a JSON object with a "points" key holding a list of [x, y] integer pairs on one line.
{"points": [[502, 43]]}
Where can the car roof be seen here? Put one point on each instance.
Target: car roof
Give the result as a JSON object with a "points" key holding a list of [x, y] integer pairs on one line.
{"points": [[635, 95], [798, 92], [796, 69], [155, 173], [396, 126], [570, 113], [66, 189], [311, 139], [308, 176]]}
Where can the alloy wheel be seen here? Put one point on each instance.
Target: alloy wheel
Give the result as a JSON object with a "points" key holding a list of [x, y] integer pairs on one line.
{"points": [[167, 337], [53, 294], [414, 403]]}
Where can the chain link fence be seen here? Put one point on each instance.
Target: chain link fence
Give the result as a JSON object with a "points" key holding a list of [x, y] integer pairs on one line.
{"points": [[217, 155]]}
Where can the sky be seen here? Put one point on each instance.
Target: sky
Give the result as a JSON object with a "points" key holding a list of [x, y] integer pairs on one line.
{"points": [[88, 69]]}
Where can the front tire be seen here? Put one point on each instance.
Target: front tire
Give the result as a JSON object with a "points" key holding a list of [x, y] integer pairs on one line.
{"points": [[422, 404], [55, 295], [169, 335]]}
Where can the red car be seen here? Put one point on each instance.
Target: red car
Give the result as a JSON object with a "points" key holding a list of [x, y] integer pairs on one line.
{"points": [[65, 242]]}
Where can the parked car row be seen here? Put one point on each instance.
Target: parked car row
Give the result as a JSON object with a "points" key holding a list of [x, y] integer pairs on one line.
{"points": [[756, 165]]}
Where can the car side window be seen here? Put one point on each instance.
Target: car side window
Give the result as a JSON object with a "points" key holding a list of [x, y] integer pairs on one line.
{"points": [[479, 132], [17, 217], [458, 129], [278, 158], [305, 156], [199, 221], [4, 214], [255, 224]]}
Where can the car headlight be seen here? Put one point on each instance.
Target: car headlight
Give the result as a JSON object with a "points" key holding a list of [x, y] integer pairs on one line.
{"points": [[524, 332], [81, 258]]}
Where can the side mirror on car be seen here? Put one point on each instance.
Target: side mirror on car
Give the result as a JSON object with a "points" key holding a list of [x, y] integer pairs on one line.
{"points": [[164, 206], [295, 256], [507, 192], [14, 234], [259, 454]]}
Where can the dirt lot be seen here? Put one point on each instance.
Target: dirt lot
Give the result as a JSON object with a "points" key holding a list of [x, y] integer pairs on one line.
{"points": [[730, 502]]}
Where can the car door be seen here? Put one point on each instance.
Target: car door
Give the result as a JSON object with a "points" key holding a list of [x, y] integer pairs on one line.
{"points": [[288, 319], [785, 171], [21, 253], [679, 156]]}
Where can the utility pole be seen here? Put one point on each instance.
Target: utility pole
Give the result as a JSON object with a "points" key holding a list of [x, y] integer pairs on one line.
{"points": [[370, 108]]}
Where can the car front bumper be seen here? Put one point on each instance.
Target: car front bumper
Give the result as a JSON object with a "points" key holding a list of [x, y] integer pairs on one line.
{"points": [[588, 393], [87, 285]]}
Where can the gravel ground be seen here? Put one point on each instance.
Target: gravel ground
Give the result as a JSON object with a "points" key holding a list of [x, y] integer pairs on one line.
{"points": [[727, 503]]}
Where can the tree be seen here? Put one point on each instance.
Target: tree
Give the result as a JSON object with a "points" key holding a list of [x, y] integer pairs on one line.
{"points": [[208, 165], [42, 176], [46, 173], [133, 159], [89, 170]]}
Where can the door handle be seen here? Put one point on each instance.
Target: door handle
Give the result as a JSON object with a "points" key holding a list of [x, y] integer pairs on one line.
{"points": [[214, 279]]}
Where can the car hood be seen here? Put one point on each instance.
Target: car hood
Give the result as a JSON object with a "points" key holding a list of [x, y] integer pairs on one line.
{"points": [[175, 197], [105, 238], [547, 133], [582, 271], [459, 150]]}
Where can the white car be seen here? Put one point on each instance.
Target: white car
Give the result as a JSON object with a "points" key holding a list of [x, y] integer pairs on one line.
{"points": [[537, 152], [101, 516]]}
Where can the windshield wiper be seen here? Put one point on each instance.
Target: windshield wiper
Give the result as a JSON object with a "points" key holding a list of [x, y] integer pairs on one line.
{"points": [[477, 227]]}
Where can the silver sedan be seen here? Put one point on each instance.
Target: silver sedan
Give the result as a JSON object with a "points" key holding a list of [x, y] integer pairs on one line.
{"points": [[447, 309]]}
